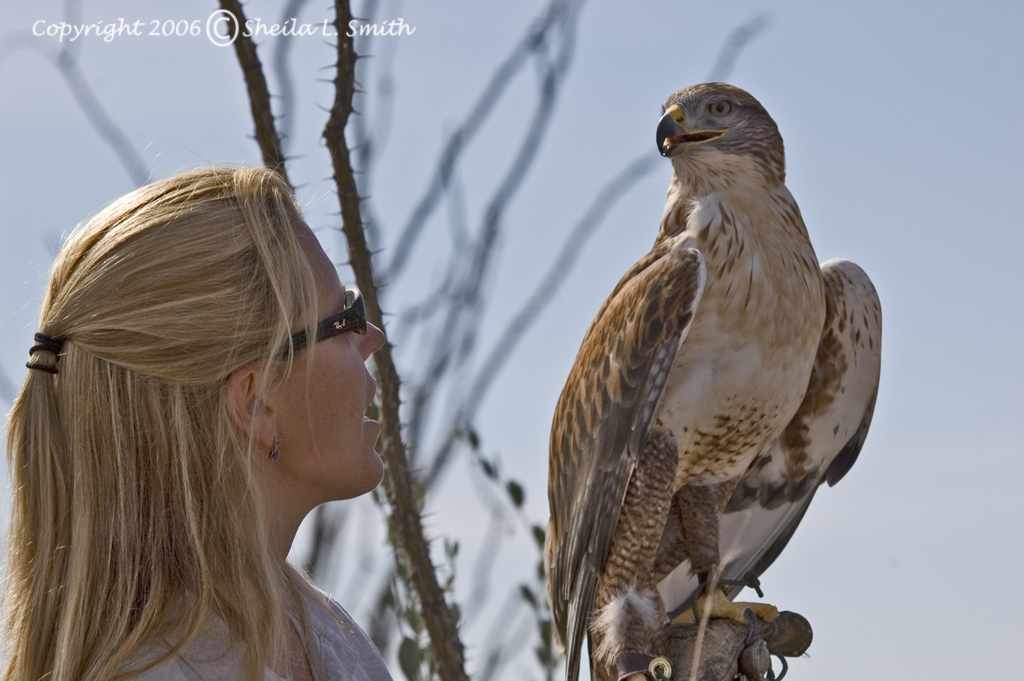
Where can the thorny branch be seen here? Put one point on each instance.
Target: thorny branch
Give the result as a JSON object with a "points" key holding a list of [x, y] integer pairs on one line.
{"points": [[282, 50], [411, 547], [259, 98], [366, 146]]}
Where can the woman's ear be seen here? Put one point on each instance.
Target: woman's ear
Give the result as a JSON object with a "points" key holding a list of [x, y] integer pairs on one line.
{"points": [[253, 414]]}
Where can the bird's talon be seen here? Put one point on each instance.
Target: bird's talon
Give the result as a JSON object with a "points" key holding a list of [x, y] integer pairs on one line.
{"points": [[751, 618], [785, 669], [723, 608]]}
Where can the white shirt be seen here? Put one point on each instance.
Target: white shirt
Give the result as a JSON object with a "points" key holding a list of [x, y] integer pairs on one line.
{"points": [[338, 653]]}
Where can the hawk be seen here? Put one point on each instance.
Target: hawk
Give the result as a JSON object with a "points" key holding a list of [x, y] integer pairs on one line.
{"points": [[723, 380]]}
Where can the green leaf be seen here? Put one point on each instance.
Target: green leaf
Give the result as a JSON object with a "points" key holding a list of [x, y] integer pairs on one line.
{"points": [[515, 490], [409, 659], [538, 536], [489, 469], [544, 651], [528, 595], [474, 439], [545, 632]]}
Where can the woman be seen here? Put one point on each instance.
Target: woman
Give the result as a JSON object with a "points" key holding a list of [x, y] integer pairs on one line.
{"points": [[197, 387]]}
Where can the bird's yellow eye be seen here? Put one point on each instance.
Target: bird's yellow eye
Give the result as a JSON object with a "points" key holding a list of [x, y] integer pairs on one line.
{"points": [[720, 108]]}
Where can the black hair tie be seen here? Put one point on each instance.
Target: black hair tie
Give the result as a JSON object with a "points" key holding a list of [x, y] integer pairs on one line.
{"points": [[48, 344]]}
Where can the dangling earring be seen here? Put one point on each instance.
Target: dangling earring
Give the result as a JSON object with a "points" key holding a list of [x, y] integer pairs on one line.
{"points": [[276, 449]]}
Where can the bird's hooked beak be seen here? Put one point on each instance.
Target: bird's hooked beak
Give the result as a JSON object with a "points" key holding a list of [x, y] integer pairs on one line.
{"points": [[674, 135]]}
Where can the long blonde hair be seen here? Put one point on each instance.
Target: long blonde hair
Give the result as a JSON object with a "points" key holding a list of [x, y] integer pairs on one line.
{"points": [[137, 510]]}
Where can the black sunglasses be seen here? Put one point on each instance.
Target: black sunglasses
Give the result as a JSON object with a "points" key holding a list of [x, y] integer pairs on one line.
{"points": [[352, 318]]}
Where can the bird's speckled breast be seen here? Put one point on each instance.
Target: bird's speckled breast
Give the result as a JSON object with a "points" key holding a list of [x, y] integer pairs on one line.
{"points": [[741, 373]]}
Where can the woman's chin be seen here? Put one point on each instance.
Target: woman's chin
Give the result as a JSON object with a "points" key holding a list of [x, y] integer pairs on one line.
{"points": [[379, 476]]}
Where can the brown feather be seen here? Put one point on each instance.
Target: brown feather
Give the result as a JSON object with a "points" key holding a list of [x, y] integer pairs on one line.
{"points": [[622, 366]]}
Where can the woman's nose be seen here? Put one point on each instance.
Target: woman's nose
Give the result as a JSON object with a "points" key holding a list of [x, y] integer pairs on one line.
{"points": [[372, 340]]}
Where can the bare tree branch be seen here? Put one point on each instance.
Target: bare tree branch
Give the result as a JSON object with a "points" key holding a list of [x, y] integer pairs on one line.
{"points": [[102, 123], [739, 37], [13, 41], [511, 640], [328, 521], [365, 557], [463, 134], [607, 197], [543, 294], [457, 335], [382, 621], [500, 629], [424, 309], [488, 552], [259, 98], [552, 80], [66, 62], [411, 547]]}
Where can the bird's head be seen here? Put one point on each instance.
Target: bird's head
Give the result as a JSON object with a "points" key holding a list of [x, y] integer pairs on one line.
{"points": [[714, 129]]}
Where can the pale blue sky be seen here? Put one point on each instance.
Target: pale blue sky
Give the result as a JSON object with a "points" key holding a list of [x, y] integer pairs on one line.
{"points": [[902, 126]]}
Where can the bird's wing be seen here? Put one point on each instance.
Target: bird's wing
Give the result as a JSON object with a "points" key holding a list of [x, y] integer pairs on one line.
{"points": [[602, 422], [820, 444]]}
